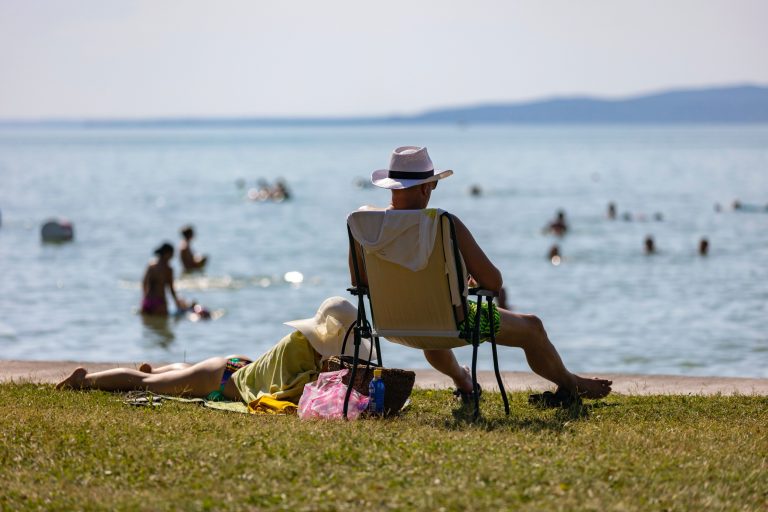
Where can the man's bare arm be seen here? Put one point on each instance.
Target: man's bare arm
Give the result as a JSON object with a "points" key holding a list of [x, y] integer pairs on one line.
{"points": [[478, 265]]}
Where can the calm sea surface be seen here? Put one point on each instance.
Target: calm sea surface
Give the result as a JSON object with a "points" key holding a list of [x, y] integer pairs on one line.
{"points": [[607, 306]]}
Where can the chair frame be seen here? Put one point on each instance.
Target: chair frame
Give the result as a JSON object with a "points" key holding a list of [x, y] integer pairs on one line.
{"points": [[364, 329]]}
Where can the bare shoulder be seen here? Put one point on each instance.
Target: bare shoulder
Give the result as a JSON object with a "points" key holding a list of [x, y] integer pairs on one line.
{"points": [[478, 263], [462, 231], [152, 268]]}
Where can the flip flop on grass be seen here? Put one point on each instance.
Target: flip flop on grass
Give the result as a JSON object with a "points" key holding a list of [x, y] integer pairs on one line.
{"points": [[560, 398]]}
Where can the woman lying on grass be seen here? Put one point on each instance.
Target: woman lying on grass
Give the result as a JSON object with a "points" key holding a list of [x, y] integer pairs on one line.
{"points": [[281, 372]]}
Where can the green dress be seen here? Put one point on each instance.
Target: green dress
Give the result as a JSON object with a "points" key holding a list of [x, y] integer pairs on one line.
{"points": [[281, 372]]}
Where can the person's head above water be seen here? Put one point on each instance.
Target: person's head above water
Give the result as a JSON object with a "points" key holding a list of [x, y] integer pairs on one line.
{"points": [[326, 330], [164, 251], [703, 247], [650, 245], [187, 231]]}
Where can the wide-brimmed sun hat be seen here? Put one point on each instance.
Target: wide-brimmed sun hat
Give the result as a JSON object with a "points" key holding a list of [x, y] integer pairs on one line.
{"points": [[325, 331], [408, 166]]}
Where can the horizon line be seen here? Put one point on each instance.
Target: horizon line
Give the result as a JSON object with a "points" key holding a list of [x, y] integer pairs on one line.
{"points": [[190, 119]]}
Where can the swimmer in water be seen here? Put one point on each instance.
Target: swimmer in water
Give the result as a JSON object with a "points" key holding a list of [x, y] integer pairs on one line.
{"points": [[189, 260], [554, 255], [703, 247], [280, 191], [261, 192], [558, 226], [158, 277], [612, 210], [650, 246]]}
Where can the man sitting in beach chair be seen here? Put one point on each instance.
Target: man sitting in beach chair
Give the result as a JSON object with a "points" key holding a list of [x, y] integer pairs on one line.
{"points": [[411, 177]]}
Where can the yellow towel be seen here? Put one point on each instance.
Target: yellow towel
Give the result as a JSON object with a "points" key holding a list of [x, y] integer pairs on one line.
{"points": [[268, 405]]}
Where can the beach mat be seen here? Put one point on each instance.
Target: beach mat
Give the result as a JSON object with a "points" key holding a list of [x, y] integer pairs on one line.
{"points": [[146, 399]]}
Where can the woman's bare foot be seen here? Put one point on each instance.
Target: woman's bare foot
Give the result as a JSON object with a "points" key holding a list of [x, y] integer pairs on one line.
{"points": [[74, 381], [145, 367], [592, 388]]}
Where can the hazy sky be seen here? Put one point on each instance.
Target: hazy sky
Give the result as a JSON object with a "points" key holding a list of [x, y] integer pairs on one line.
{"points": [[131, 58]]}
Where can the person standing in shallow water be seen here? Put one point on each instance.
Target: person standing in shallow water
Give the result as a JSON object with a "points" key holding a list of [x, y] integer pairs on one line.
{"points": [[158, 277], [189, 260]]}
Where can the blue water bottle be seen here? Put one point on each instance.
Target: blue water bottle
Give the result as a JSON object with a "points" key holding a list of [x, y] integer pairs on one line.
{"points": [[376, 394]]}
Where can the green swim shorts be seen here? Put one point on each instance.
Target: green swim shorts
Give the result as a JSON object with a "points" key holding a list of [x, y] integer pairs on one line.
{"points": [[468, 324]]}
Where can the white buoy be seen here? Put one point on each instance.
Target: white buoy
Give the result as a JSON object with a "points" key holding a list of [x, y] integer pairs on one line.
{"points": [[57, 230]]}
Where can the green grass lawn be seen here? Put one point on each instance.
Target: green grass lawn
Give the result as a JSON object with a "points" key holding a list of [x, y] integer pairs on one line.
{"points": [[88, 450]]}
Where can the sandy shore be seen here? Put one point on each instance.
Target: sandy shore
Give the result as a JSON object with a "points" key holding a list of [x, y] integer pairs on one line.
{"points": [[54, 371]]}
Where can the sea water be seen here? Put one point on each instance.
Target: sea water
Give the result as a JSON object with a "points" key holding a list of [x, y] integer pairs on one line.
{"points": [[607, 306]]}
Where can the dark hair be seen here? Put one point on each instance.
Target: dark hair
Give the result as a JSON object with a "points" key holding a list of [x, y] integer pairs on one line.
{"points": [[187, 231], [164, 248]]}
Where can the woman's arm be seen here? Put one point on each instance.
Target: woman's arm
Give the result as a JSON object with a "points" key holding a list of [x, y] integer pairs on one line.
{"points": [[145, 282], [169, 283], [478, 265]]}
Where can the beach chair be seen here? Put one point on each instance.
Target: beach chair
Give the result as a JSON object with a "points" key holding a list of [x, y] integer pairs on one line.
{"points": [[420, 308]]}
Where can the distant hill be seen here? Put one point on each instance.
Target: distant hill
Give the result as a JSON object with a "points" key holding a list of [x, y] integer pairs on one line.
{"points": [[740, 104], [743, 104]]}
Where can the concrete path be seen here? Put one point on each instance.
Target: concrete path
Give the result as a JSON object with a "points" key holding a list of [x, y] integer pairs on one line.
{"points": [[54, 371]]}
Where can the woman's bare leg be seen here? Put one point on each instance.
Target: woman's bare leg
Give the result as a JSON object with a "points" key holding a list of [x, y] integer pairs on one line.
{"points": [[147, 368], [197, 380], [528, 333]]}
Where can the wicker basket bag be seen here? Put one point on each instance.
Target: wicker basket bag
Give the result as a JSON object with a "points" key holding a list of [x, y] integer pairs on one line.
{"points": [[398, 384]]}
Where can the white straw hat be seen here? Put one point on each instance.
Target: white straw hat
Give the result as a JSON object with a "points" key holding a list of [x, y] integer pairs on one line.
{"points": [[326, 330], [408, 166]]}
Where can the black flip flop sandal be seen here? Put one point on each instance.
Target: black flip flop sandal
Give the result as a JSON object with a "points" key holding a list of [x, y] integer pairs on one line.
{"points": [[560, 398], [468, 398]]}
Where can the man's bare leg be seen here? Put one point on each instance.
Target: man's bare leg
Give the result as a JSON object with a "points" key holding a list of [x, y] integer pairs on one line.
{"points": [[528, 333], [445, 362]]}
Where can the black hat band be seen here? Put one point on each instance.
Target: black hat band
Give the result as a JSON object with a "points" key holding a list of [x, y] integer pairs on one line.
{"points": [[399, 175]]}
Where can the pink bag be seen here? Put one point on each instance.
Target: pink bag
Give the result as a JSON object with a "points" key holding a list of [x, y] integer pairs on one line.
{"points": [[324, 398]]}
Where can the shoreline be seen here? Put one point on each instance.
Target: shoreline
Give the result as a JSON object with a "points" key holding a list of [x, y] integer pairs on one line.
{"points": [[51, 372]]}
